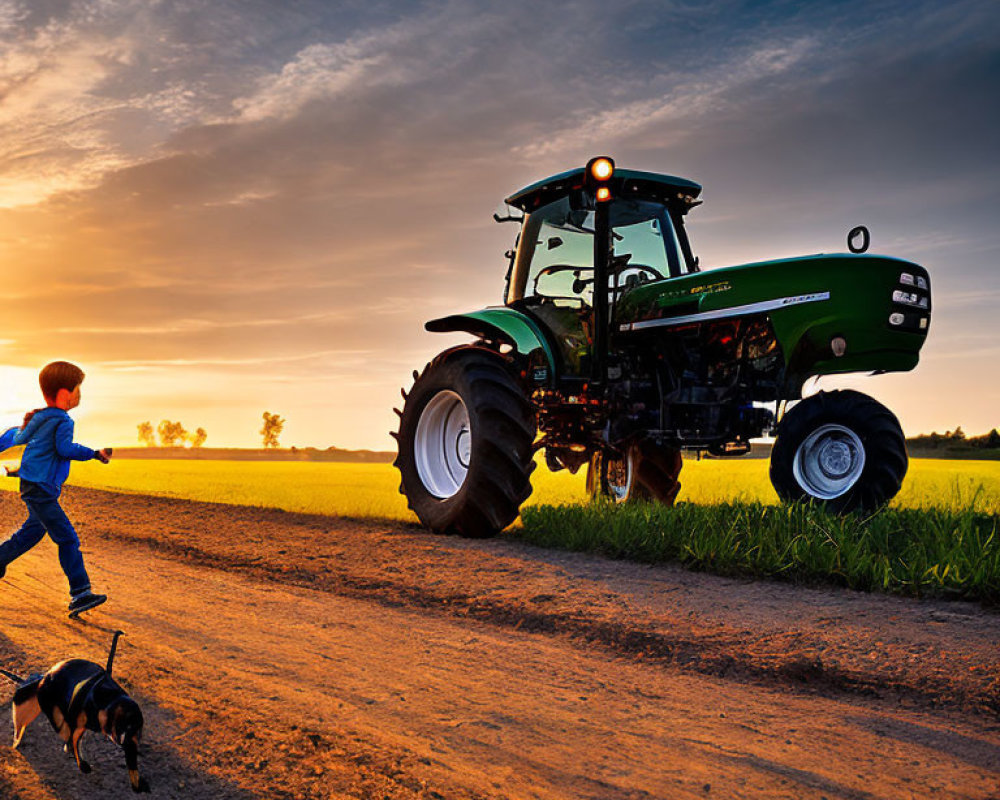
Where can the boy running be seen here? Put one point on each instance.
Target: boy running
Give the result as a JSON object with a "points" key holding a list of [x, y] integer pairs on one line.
{"points": [[48, 436]]}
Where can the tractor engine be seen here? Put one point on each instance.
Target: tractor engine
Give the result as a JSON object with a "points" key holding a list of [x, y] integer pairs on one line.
{"points": [[699, 389]]}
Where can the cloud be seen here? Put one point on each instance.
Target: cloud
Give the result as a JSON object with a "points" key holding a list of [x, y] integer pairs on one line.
{"points": [[127, 364], [690, 96], [319, 71], [196, 326], [12, 14], [62, 128]]}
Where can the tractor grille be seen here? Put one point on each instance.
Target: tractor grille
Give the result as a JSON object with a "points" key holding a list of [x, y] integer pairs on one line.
{"points": [[911, 302]]}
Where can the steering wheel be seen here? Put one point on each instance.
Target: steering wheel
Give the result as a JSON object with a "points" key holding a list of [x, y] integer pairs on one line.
{"points": [[620, 263], [578, 284], [552, 269]]}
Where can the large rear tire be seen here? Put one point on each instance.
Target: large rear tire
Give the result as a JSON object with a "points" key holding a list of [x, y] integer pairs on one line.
{"points": [[466, 438], [642, 471], [842, 449]]}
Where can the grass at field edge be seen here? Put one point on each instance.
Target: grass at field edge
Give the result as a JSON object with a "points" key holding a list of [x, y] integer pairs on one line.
{"points": [[921, 553]]}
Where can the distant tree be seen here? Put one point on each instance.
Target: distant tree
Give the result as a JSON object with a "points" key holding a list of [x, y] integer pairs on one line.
{"points": [[146, 435], [199, 437], [956, 441], [172, 434], [273, 425], [989, 440]]}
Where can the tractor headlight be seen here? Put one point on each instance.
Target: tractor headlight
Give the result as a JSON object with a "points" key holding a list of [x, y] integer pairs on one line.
{"points": [[909, 299], [907, 279]]}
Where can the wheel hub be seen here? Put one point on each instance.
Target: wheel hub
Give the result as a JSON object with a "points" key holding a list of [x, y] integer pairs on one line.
{"points": [[829, 461], [835, 459], [442, 445]]}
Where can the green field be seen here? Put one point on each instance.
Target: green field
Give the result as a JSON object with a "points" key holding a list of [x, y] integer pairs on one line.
{"points": [[370, 490], [938, 538]]}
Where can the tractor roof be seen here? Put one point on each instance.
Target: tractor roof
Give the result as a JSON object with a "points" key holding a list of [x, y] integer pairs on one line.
{"points": [[624, 183]]}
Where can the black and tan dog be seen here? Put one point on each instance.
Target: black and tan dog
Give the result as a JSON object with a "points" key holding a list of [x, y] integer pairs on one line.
{"points": [[77, 696]]}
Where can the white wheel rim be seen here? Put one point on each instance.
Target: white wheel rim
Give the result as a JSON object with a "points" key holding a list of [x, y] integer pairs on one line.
{"points": [[442, 444], [619, 477], [829, 461]]}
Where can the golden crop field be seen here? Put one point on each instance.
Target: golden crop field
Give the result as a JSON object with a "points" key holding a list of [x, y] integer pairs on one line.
{"points": [[370, 490]]}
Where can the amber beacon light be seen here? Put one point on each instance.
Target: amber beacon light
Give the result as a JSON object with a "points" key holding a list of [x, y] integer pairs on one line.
{"points": [[599, 172], [602, 168]]}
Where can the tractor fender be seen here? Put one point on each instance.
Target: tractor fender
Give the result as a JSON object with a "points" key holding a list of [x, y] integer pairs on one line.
{"points": [[510, 327]]}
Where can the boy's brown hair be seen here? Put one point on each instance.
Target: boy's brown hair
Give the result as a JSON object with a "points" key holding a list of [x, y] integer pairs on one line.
{"points": [[59, 375]]}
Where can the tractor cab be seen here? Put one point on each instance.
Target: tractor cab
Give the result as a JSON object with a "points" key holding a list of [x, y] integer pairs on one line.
{"points": [[555, 254], [585, 234], [555, 257]]}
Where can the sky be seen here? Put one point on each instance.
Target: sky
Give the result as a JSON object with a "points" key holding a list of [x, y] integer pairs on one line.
{"points": [[220, 208]]}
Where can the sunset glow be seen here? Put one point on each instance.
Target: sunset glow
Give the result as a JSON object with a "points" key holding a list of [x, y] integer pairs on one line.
{"points": [[217, 209]]}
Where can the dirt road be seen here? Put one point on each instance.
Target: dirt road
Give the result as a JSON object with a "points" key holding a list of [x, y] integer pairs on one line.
{"points": [[283, 656]]}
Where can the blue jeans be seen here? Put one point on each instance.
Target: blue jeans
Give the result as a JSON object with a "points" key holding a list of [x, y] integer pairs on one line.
{"points": [[45, 514]]}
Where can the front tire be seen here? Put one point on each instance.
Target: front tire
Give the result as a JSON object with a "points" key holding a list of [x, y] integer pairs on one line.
{"points": [[842, 449], [642, 471], [466, 438]]}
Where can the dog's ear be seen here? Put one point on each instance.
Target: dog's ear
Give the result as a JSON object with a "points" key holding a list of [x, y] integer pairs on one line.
{"points": [[126, 722], [118, 723]]}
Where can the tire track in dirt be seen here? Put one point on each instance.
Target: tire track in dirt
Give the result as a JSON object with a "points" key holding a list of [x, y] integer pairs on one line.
{"points": [[731, 657], [357, 689], [398, 568]]}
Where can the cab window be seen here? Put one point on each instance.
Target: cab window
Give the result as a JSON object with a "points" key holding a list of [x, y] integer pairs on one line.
{"points": [[555, 257], [645, 247]]}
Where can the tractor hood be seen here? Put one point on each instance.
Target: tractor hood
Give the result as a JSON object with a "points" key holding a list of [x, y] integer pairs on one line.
{"points": [[878, 304]]}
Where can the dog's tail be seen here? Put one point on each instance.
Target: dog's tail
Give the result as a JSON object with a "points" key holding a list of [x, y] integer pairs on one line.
{"points": [[111, 655], [12, 676]]}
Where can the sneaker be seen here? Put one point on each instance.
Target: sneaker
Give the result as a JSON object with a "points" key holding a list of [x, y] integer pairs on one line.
{"points": [[85, 602]]}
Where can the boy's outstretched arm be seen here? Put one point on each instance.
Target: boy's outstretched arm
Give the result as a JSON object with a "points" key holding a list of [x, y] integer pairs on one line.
{"points": [[66, 447], [7, 438]]}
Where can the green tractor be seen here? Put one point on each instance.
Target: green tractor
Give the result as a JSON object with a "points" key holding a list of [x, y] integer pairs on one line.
{"points": [[614, 351]]}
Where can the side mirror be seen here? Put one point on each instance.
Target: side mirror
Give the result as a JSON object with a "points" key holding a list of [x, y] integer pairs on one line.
{"points": [[862, 232], [507, 216]]}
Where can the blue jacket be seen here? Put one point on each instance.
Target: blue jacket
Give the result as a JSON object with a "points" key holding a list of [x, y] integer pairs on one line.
{"points": [[48, 437]]}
